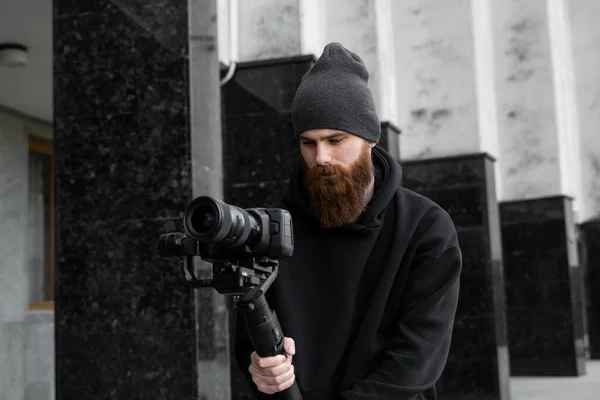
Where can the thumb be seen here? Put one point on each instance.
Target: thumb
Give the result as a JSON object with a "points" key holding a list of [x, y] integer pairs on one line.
{"points": [[289, 346]]}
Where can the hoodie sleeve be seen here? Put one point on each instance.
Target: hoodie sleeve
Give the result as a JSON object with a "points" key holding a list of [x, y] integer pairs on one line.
{"points": [[415, 357]]}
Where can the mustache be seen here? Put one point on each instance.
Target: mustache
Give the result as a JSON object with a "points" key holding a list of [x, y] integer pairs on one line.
{"points": [[326, 170]]}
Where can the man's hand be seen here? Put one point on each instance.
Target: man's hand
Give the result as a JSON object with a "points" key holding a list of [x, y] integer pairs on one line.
{"points": [[274, 374]]}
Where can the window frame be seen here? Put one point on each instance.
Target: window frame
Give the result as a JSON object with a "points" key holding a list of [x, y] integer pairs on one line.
{"points": [[43, 146]]}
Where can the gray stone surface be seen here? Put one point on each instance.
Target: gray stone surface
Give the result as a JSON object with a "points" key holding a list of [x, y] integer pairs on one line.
{"points": [[585, 36], [39, 355], [38, 391], [436, 78], [13, 218], [12, 369], [533, 153], [13, 271], [268, 29]]}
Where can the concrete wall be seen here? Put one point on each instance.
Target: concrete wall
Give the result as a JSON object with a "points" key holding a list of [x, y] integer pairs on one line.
{"points": [[38, 350], [26, 337], [13, 225]]}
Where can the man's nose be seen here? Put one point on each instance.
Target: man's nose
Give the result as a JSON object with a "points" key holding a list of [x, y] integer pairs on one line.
{"points": [[323, 154]]}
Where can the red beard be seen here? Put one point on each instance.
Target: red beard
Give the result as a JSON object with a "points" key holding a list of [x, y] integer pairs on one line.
{"points": [[337, 193]]}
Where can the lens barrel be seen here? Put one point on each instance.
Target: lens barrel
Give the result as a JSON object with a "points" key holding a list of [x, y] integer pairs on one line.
{"points": [[212, 221]]}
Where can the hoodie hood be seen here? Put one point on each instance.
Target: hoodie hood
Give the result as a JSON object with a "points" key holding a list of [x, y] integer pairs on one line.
{"points": [[388, 177]]}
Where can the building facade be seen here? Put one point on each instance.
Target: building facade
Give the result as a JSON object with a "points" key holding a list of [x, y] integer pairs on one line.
{"points": [[490, 107]]}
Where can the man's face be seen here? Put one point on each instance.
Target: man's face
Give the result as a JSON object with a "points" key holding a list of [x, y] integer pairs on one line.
{"points": [[337, 170], [322, 147]]}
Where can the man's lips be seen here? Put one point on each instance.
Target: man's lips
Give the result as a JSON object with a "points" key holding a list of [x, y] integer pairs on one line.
{"points": [[329, 175]]}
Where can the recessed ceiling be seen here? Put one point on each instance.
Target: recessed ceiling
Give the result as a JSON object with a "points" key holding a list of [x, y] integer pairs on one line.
{"points": [[28, 90]]}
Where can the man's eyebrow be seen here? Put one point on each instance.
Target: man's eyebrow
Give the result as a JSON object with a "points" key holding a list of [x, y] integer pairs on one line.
{"points": [[332, 136]]}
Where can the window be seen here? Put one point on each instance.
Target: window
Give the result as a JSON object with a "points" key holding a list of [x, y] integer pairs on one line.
{"points": [[40, 233]]}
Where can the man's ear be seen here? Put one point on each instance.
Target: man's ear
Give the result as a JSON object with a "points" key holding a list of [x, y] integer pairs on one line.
{"points": [[372, 144]]}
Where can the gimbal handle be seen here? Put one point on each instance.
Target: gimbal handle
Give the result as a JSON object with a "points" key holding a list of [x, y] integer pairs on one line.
{"points": [[265, 333]]}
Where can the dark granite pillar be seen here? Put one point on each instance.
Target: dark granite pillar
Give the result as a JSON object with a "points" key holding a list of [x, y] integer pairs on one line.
{"points": [[464, 186], [543, 287], [125, 326], [590, 263]]}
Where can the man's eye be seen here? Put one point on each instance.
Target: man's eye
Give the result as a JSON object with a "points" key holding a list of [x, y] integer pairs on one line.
{"points": [[335, 141], [308, 143]]}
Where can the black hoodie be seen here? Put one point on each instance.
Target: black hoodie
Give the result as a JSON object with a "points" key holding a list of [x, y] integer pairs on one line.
{"points": [[371, 305]]}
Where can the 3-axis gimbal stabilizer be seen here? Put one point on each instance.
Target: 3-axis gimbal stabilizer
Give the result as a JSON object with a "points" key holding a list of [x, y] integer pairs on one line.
{"points": [[244, 247]]}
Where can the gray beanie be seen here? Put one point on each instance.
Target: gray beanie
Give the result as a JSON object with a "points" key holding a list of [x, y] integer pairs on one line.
{"points": [[334, 95]]}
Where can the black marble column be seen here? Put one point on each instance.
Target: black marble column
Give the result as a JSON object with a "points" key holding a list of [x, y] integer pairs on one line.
{"points": [[124, 324], [464, 186], [590, 263], [543, 287], [259, 146]]}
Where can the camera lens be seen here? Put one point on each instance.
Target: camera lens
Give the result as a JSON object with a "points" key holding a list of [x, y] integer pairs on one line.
{"points": [[211, 221], [204, 218]]}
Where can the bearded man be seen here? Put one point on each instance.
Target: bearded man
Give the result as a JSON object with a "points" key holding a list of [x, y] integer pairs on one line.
{"points": [[367, 302]]}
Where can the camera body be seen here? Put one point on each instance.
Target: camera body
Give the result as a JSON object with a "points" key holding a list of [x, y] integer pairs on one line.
{"points": [[225, 232], [243, 245]]}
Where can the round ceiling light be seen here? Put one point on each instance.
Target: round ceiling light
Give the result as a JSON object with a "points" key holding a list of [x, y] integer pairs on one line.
{"points": [[13, 55]]}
